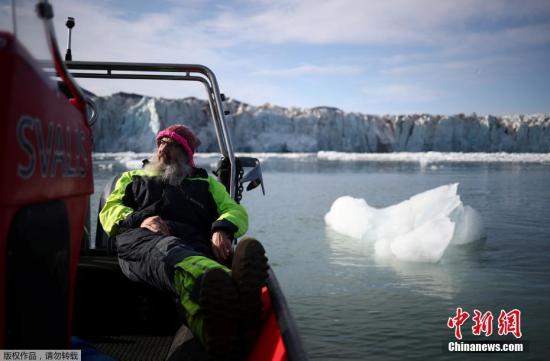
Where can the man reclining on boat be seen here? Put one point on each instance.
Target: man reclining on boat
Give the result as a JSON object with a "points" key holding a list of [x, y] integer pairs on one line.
{"points": [[174, 227]]}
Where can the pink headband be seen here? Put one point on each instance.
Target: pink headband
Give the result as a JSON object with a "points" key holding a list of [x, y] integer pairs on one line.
{"points": [[181, 140]]}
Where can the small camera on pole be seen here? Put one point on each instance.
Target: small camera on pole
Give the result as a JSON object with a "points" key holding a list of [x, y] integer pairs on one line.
{"points": [[70, 25]]}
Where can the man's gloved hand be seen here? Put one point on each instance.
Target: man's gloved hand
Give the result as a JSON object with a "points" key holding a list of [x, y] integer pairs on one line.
{"points": [[156, 224], [221, 245]]}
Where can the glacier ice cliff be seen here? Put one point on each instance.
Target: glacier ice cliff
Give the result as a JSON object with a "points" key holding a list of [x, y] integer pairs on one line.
{"points": [[128, 122]]}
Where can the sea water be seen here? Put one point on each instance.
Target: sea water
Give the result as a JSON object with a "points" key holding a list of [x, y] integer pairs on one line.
{"points": [[350, 304]]}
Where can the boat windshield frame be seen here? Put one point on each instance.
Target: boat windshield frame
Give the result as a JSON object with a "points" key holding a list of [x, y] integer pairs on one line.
{"points": [[162, 71]]}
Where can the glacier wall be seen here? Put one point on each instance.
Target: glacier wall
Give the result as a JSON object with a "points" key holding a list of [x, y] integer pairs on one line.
{"points": [[129, 122]]}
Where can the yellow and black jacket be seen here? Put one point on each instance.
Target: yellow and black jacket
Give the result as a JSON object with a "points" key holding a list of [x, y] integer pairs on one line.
{"points": [[192, 210]]}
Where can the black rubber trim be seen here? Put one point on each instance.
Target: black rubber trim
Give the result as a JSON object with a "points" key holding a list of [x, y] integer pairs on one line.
{"points": [[291, 337]]}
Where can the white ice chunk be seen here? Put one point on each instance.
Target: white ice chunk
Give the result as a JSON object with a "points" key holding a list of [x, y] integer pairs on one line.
{"points": [[349, 216], [469, 225], [418, 229], [425, 243]]}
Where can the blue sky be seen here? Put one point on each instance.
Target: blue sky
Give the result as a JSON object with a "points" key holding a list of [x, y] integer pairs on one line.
{"points": [[371, 56]]}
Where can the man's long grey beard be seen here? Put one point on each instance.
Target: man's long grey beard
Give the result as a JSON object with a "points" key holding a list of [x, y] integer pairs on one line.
{"points": [[173, 173]]}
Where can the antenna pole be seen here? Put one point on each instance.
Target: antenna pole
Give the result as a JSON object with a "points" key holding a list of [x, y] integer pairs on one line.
{"points": [[14, 18], [70, 25]]}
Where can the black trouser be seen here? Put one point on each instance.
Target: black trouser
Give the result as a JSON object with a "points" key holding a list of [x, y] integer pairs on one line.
{"points": [[150, 257]]}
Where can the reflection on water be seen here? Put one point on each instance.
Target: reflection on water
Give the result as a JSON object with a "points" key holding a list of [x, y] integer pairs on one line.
{"points": [[430, 279], [347, 251]]}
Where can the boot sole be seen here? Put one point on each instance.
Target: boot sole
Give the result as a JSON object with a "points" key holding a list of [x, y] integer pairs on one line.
{"points": [[219, 301], [250, 274]]}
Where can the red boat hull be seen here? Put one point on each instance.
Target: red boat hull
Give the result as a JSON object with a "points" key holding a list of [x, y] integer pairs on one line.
{"points": [[46, 170]]}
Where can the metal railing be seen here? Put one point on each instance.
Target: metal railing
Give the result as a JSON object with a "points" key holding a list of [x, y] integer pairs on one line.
{"points": [[161, 71]]}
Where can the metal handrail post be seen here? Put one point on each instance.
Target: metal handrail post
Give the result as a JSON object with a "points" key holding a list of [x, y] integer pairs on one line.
{"points": [[225, 132]]}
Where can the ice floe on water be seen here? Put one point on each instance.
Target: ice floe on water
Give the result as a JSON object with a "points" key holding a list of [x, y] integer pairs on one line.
{"points": [[133, 160], [418, 229], [426, 158]]}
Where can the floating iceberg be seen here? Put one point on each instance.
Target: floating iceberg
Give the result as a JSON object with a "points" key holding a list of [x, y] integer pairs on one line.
{"points": [[418, 229]]}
